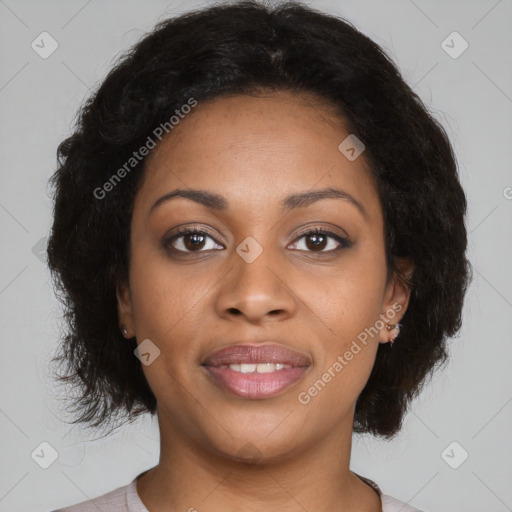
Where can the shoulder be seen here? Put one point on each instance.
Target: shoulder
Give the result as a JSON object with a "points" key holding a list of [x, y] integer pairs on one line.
{"points": [[117, 500], [390, 504]]}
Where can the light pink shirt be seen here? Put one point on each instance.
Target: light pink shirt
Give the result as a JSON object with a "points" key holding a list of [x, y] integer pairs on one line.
{"points": [[126, 499]]}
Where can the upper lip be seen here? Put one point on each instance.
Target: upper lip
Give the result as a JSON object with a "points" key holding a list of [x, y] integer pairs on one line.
{"points": [[246, 353]]}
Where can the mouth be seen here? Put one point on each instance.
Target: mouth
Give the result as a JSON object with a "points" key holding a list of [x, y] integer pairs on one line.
{"points": [[256, 371]]}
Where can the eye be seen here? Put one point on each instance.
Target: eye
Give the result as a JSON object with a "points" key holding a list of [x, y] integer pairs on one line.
{"points": [[317, 240], [191, 240], [321, 240]]}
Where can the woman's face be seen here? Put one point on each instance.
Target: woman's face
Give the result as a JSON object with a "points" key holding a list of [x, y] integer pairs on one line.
{"points": [[256, 278]]}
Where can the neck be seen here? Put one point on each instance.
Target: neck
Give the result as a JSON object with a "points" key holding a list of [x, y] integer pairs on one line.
{"points": [[316, 477]]}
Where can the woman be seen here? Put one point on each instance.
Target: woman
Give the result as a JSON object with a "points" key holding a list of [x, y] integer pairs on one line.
{"points": [[259, 236]]}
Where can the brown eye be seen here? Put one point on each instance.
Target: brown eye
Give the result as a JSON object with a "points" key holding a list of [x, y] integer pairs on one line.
{"points": [[317, 240], [191, 240]]}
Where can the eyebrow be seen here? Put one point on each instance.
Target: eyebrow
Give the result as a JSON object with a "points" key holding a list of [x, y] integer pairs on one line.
{"points": [[299, 200]]}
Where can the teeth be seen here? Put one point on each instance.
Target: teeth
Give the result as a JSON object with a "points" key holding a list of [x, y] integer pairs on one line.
{"points": [[259, 368]]}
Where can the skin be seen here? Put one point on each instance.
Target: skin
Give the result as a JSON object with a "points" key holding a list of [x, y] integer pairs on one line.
{"points": [[254, 151]]}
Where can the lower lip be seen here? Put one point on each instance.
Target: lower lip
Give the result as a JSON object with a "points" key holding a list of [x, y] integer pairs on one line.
{"points": [[256, 385]]}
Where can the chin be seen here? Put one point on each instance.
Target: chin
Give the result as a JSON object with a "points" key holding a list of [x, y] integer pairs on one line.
{"points": [[260, 453]]}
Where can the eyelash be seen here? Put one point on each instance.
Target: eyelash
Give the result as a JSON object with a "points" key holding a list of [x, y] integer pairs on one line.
{"points": [[344, 242]]}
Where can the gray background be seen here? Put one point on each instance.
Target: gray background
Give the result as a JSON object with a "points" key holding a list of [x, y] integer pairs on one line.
{"points": [[469, 402]]}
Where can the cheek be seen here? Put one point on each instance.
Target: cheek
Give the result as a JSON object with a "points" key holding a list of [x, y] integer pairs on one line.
{"points": [[350, 306], [163, 296], [353, 299], [340, 374]]}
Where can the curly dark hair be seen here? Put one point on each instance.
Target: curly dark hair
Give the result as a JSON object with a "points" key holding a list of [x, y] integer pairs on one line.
{"points": [[241, 48]]}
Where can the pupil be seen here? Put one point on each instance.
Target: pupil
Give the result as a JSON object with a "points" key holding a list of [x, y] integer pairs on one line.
{"points": [[196, 243], [196, 240], [317, 242]]}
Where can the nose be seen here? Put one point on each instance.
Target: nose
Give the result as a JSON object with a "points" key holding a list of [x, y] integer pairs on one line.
{"points": [[256, 291]]}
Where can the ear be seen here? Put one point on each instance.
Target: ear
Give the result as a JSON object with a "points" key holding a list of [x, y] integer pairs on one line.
{"points": [[124, 309], [398, 293]]}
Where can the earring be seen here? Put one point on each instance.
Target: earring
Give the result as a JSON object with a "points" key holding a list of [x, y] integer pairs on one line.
{"points": [[396, 328], [124, 331]]}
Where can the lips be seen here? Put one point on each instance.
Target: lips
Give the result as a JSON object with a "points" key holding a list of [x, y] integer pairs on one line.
{"points": [[254, 354], [256, 371]]}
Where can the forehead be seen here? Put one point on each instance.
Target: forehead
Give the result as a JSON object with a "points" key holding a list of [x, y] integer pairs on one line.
{"points": [[254, 150]]}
